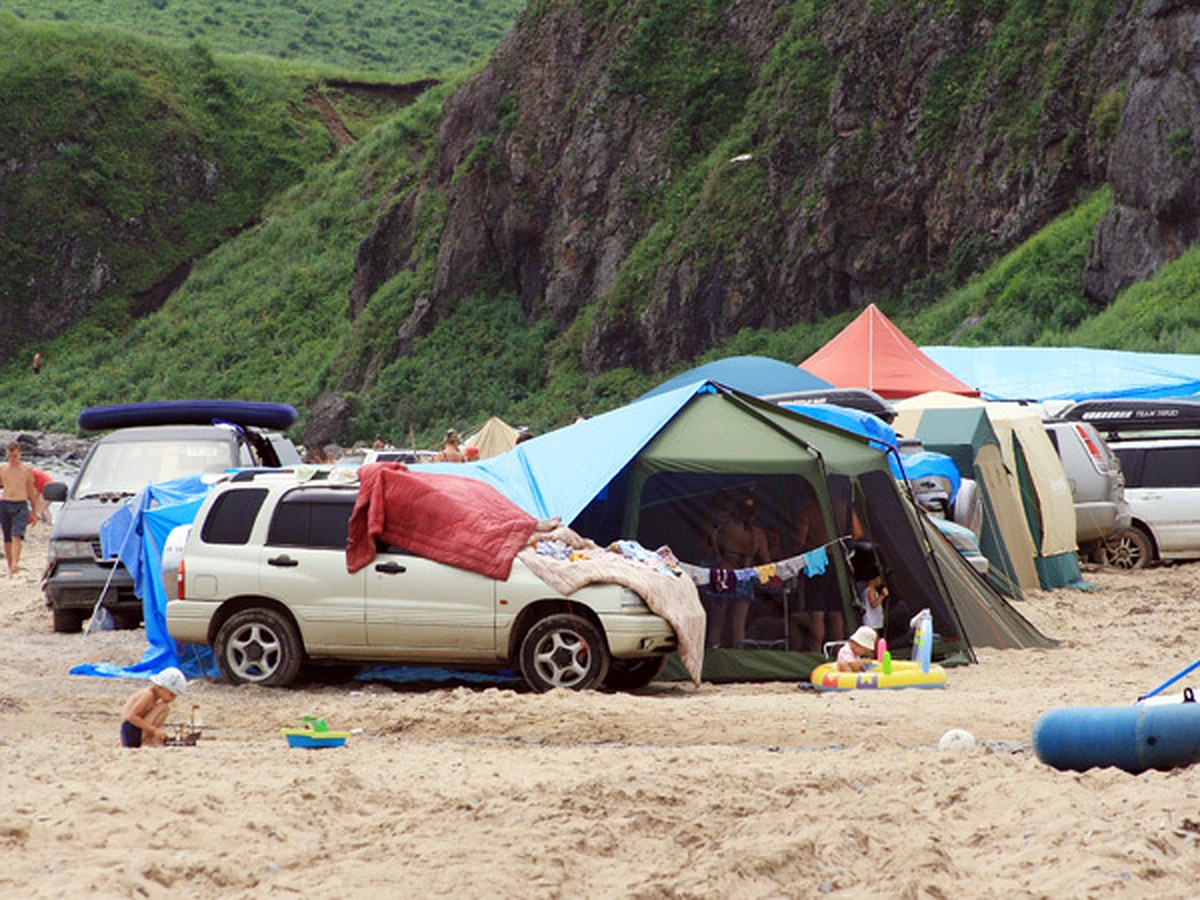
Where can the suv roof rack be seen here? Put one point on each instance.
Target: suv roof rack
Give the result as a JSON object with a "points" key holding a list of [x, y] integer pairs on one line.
{"points": [[1114, 418], [853, 398]]}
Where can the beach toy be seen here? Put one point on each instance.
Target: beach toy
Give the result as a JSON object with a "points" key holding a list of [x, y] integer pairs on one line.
{"points": [[314, 734], [887, 663], [923, 642], [1134, 738], [905, 674], [881, 649], [957, 739]]}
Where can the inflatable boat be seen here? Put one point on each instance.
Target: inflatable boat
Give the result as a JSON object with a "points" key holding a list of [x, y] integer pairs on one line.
{"points": [[905, 674], [1159, 735], [279, 416]]}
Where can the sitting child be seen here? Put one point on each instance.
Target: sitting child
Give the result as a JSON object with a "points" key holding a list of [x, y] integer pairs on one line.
{"points": [[861, 644], [146, 711]]}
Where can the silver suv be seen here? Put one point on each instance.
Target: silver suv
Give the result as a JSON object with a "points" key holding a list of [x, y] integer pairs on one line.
{"points": [[263, 581], [1097, 485], [118, 466]]}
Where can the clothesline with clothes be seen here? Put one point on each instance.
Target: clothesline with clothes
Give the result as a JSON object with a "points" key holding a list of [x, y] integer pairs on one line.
{"points": [[724, 581], [720, 581]]}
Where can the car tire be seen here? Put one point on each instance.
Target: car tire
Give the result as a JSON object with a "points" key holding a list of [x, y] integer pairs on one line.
{"points": [[1129, 548], [631, 674], [563, 651], [259, 646], [67, 621]]}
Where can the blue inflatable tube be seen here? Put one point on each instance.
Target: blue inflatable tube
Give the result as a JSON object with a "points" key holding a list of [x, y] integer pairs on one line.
{"points": [[1134, 738], [188, 412]]}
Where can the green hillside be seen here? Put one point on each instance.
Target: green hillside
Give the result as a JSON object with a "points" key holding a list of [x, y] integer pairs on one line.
{"points": [[386, 36], [264, 315]]}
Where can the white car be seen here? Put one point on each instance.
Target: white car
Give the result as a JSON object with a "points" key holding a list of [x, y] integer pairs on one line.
{"points": [[263, 580], [1162, 485]]}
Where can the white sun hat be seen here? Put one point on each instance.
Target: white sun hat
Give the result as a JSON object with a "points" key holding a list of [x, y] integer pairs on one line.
{"points": [[171, 679]]}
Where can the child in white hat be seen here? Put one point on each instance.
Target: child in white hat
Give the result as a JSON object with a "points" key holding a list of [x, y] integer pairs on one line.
{"points": [[861, 644], [146, 711]]}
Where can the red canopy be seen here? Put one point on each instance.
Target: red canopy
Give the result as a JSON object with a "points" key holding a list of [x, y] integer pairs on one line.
{"points": [[872, 353]]}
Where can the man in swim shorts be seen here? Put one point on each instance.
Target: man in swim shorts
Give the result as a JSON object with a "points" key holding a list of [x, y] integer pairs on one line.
{"points": [[20, 494]]}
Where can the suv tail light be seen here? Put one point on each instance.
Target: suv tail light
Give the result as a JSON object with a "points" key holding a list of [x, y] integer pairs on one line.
{"points": [[1094, 451], [179, 582]]}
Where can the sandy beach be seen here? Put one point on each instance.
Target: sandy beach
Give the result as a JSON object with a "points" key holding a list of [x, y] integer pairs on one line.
{"points": [[746, 790]]}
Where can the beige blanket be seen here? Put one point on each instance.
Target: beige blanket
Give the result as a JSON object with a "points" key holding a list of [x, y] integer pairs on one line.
{"points": [[675, 598]]}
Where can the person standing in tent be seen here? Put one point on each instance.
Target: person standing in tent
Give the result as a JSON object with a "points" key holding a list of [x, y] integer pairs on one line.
{"points": [[451, 448], [738, 544], [820, 614]]}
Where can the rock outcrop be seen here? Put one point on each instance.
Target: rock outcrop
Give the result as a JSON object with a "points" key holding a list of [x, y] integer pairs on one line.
{"points": [[1154, 167], [866, 148]]}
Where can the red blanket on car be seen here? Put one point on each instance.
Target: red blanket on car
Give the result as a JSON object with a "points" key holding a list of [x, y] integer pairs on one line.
{"points": [[453, 520]]}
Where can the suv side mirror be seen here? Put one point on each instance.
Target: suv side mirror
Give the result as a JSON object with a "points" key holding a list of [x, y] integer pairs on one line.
{"points": [[55, 492]]}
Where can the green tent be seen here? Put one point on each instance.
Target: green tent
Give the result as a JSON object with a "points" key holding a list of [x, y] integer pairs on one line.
{"points": [[817, 493], [966, 435]]}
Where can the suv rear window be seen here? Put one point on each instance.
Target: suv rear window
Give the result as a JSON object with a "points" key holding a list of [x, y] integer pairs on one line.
{"points": [[312, 519], [1160, 467], [232, 517]]}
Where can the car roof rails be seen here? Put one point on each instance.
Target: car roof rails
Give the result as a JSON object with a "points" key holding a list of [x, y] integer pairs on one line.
{"points": [[1126, 417], [853, 398]]}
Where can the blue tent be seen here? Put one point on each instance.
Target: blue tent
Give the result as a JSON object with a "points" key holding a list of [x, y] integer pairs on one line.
{"points": [[754, 375], [1070, 373], [137, 533]]}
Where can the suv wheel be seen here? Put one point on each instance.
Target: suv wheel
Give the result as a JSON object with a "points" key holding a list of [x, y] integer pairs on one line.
{"points": [[259, 646], [563, 650], [1129, 548], [631, 674]]}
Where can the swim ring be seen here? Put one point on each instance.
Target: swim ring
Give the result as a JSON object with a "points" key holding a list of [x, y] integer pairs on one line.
{"points": [[905, 674]]}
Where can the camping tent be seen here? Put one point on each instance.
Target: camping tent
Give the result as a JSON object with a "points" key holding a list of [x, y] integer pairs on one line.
{"points": [[650, 471], [1037, 518], [493, 437], [754, 375], [1070, 373], [872, 353]]}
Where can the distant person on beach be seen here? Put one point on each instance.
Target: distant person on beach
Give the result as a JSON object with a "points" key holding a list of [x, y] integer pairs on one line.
{"points": [[451, 451], [855, 653], [21, 506], [37, 362], [146, 711]]}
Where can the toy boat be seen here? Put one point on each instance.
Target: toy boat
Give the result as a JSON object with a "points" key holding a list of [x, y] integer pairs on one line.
{"points": [[905, 674], [314, 734]]}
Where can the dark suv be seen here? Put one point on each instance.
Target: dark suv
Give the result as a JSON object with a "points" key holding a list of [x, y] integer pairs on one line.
{"points": [[118, 466]]}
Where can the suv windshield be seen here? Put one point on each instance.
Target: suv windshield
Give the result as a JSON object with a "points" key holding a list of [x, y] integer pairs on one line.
{"points": [[125, 467]]}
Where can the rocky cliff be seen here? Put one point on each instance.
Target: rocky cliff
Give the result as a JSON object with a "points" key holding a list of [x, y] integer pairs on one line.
{"points": [[819, 156]]}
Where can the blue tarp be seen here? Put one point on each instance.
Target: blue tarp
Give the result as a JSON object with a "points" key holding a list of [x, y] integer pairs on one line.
{"points": [[1070, 373], [754, 375], [136, 533], [574, 464]]}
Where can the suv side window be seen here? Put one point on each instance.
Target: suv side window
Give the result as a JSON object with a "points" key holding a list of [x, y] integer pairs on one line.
{"points": [[232, 517], [1131, 464], [311, 520], [1167, 467]]}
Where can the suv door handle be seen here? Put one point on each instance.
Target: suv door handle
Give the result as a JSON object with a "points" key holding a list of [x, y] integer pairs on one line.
{"points": [[284, 560], [391, 568]]}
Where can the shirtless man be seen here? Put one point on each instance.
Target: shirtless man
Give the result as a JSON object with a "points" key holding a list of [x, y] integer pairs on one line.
{"points": [[20, 494], [739, 543]]}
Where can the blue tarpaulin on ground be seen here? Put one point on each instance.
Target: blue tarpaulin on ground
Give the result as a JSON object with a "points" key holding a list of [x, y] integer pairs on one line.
{"points": [[136, 534]]}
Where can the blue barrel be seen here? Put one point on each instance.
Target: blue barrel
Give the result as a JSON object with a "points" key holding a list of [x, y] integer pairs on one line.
{"points": [[1134, 738]]}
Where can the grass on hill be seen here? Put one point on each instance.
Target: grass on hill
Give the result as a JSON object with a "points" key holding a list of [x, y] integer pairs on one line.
{"points": [[384, 36]]}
